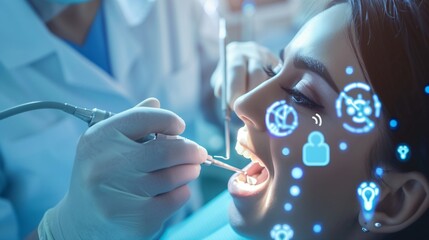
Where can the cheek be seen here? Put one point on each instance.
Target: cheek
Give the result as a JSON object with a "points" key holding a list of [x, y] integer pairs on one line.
{"points": [[317, 193]]}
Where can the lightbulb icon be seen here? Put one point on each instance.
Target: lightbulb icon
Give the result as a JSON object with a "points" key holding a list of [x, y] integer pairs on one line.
{"points": [[368, 193], [403, 152]]}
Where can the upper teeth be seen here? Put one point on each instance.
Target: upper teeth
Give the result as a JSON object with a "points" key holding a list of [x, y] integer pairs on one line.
{"points": [[247, 154], [239, 148]]}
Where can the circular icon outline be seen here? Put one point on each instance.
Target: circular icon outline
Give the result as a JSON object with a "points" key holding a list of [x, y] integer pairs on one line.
{"points": [[358, 108], [276, 119]]}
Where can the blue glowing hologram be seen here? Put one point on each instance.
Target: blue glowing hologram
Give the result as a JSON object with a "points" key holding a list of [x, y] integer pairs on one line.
{"points": [[315, 152], [297, 173], [343, 146], [285, 151], [349, 70], [379, 172], [288, 207], [317, 228], [281, 232], [294, 191], [427, 89], [403, 152], [281, 119], [368, 195], [393, 123], [357, 108]]}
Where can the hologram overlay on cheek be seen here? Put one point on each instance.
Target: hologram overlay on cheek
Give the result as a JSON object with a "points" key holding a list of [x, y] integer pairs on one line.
{"points": [[358, 113], [281, 119], [316, 152]]}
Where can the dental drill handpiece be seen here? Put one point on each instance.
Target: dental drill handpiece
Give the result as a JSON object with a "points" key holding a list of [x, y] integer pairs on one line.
{"points": [[93, 116], [96, 115]]}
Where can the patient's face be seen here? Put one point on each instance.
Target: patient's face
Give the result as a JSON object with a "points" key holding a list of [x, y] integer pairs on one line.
{"points": [[327, 194]]}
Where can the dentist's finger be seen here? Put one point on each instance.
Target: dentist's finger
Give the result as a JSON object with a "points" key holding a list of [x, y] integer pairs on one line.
{"points": [[166, 180], [138, 122], [149, 102], [164, 153], [237, 79]]}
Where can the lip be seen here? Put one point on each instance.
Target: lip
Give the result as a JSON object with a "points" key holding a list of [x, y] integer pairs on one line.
{"points": [[243, 140], [240, 189]]}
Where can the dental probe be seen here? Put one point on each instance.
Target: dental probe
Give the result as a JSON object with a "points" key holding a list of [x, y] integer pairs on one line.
{"points": [[213, 162], [225, 107], [93, 116], [210, 161]]}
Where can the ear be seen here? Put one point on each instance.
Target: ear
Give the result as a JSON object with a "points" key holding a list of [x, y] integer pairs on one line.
{"points": [[404, 198]]}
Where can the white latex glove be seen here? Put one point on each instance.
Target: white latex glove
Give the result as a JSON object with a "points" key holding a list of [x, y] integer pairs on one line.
{"points": [[245, 69], [121, 189]]}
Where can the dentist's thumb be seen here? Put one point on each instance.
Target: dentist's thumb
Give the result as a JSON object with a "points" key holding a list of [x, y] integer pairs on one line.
{"points": [[149, 102]]}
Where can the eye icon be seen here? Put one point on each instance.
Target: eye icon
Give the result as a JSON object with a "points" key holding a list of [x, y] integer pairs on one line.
{"points": [[281, 119], [358, 112]]}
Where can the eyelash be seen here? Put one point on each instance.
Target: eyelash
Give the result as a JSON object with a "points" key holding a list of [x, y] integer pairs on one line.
{"points": [[297, 96]]}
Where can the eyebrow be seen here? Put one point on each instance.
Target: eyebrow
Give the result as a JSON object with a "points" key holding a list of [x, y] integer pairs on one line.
{"points": [[313, 65]]}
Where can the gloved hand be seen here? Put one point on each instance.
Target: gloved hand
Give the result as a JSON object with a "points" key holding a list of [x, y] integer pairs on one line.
{"points": [[245, 69], [122, 189]]}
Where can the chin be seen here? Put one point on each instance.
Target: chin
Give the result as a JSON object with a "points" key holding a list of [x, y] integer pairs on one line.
{"points": [[251, 196], [245, 226], [250, 201]]}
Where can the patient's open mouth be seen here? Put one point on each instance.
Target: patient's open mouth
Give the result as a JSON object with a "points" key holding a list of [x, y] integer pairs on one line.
{"points": [[257, 174]]}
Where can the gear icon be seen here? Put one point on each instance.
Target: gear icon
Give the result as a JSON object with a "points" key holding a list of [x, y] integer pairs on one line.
{"points": [[360, 112]]}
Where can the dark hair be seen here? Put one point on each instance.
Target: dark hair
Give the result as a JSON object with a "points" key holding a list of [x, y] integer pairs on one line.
{"points": [[393, 43]]}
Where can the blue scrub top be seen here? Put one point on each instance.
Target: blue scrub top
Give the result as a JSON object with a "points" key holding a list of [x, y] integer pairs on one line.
{"points": [[95, 46]]}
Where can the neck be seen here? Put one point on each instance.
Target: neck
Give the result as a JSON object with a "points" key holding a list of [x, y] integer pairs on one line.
{"points": [[74, 22]]}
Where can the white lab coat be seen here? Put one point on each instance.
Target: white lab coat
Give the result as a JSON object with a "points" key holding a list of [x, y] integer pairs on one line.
{"points": [[164, 53]]}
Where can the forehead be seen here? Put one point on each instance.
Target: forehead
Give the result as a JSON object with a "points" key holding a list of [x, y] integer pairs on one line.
{"points": [[327, 38]]}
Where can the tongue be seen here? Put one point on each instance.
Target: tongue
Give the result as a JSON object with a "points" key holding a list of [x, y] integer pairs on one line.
{"points": [[262, 176]]}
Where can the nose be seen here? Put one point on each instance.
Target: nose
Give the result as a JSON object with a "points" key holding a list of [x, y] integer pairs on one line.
{"points": [[251, 107]]}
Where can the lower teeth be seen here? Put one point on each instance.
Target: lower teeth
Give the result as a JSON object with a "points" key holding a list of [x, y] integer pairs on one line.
{"points": [[251, 180]]}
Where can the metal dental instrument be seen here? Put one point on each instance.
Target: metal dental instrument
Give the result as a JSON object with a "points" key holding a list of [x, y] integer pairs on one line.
{"points": [[213, 162], [225, 108], [93, 116], [90, 116]]}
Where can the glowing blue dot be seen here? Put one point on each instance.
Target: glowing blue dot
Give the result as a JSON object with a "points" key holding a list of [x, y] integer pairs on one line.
{"points": [[379, 172], [349, 70], [285, 151], [427, 89], [297, 173], [295, 191], [288, 207], [343, 146], [393, 123], [317, 228]]}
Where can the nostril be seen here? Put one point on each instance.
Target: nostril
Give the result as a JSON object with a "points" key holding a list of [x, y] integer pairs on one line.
{"points": [[247, 121]]}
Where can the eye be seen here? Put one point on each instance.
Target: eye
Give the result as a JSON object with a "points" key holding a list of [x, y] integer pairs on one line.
{"points": [[299, 98]]}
